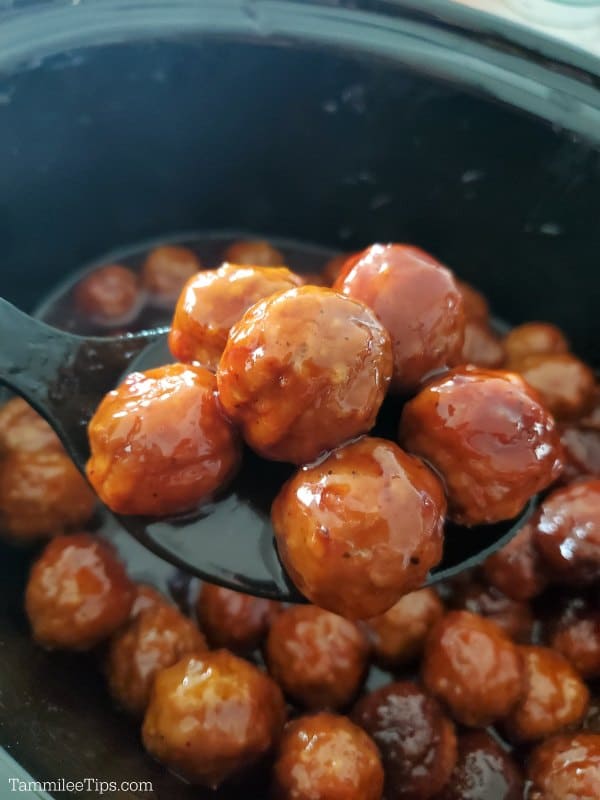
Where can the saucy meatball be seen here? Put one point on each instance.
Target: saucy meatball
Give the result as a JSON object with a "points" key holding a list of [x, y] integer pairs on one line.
{"points": [[488, 436], [109, 295], [554, 696], [417, 300], [318, 658], [157, 638], [304, 371], [77, 594], [565, 384], [482, 347], [234, 620], [160, 443], [475, 305], [514, 617], [212, 715], [146, 597], [566, 768], [166, 270], [213, 300], [533, 338], [254, 253], [581, 447], [517, 569], [473, 667], [398, 636], [23, 430], [575, 633], [326, 757], [416, 740], [361, 528]]}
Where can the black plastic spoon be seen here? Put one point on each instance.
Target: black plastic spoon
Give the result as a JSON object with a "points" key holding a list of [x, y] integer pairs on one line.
{"points": [[230, 541]]}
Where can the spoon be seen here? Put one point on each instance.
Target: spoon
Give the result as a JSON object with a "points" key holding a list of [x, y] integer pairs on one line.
{"points": [[229, 541]]}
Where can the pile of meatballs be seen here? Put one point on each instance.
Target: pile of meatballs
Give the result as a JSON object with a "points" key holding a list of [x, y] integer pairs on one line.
{"points": [[490, 691]]}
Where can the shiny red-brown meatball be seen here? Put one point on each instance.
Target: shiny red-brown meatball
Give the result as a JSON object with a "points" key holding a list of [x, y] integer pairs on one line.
{"points": [[146, 597], [166, 270], [254, 252], [23, 430], [160, 443], [488, 436], [417, 300], [533, 338], [565, 384], [211, 715], [566, 768], [304, 371], [581, 447], [157, 638], [213, 300], [108, 295], [319, 659], [474, 303], [361, 528], [575, 633], [472, 665], [398, 636], [234, 620], [514, 617], [416, 740], [482, 347], [567, 532], [326, 757], [517, 569], [554, 696], [483, 771], [78, 593]]}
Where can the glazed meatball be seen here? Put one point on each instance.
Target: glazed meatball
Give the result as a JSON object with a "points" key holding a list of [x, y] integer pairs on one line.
{"points": [[108, 295], [304, 371], [517, 569], [514, 617], [254, 253], [533, 338], [475, 305], [488, 436], [234, 620], [318, 658], [398, 636], [23, 430], [473, 667], [566, 768], [581, 448], [417, 300], [575, 633], [77, 594], [160, 443], [146, 597], [166, 270], [213, 300], [326, 757], [565, 384], [212, 715], [567, 532], [157, 638], [554, 696], [416, 740], [361, 528], [482, 347]]}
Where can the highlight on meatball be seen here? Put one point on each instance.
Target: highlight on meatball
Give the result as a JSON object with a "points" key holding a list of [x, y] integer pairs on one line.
{"points": [[565, 767], [418, 302], [160, 444], [166, 270], [361, 528], [109, 295], [488, 436], [304, 371]]}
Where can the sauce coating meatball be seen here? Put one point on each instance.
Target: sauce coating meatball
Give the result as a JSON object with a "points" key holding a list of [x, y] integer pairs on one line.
{"points": [[517, 569], [109, 295], [417, 300], [473, 667], [481, 346], [554, 696], [514, 617], [565, 384], [160, 443], [213, 300], [533, 338], [319, 659], [211, 716], [575, 633], [566, 768], [326, 757], [304, 371], [77, 594], [416, 740], [361, 528], [166, 270], [234, 620], [23, 430], [488, 436], [254, 252]]}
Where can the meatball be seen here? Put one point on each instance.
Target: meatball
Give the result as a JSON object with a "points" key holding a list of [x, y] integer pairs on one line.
{"points": [[473, 667], [416, 740], [212, 715], [533, 338], [23, 430], [160, 443], [475, 305], [567, 532], [326, 757], [360, 529], [146, 597], [234, 620], [318, 658], [304, 371], [482, 347], [581, 447], [77, 594], [554, 696], [166, 270], [417, 300], [565, 384], [254, 253], [575, 633], [109, 295], [514, 617], [566, 768], [398, 636], [488, 436], [213, 300], [157, 638], [517, 569]]}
